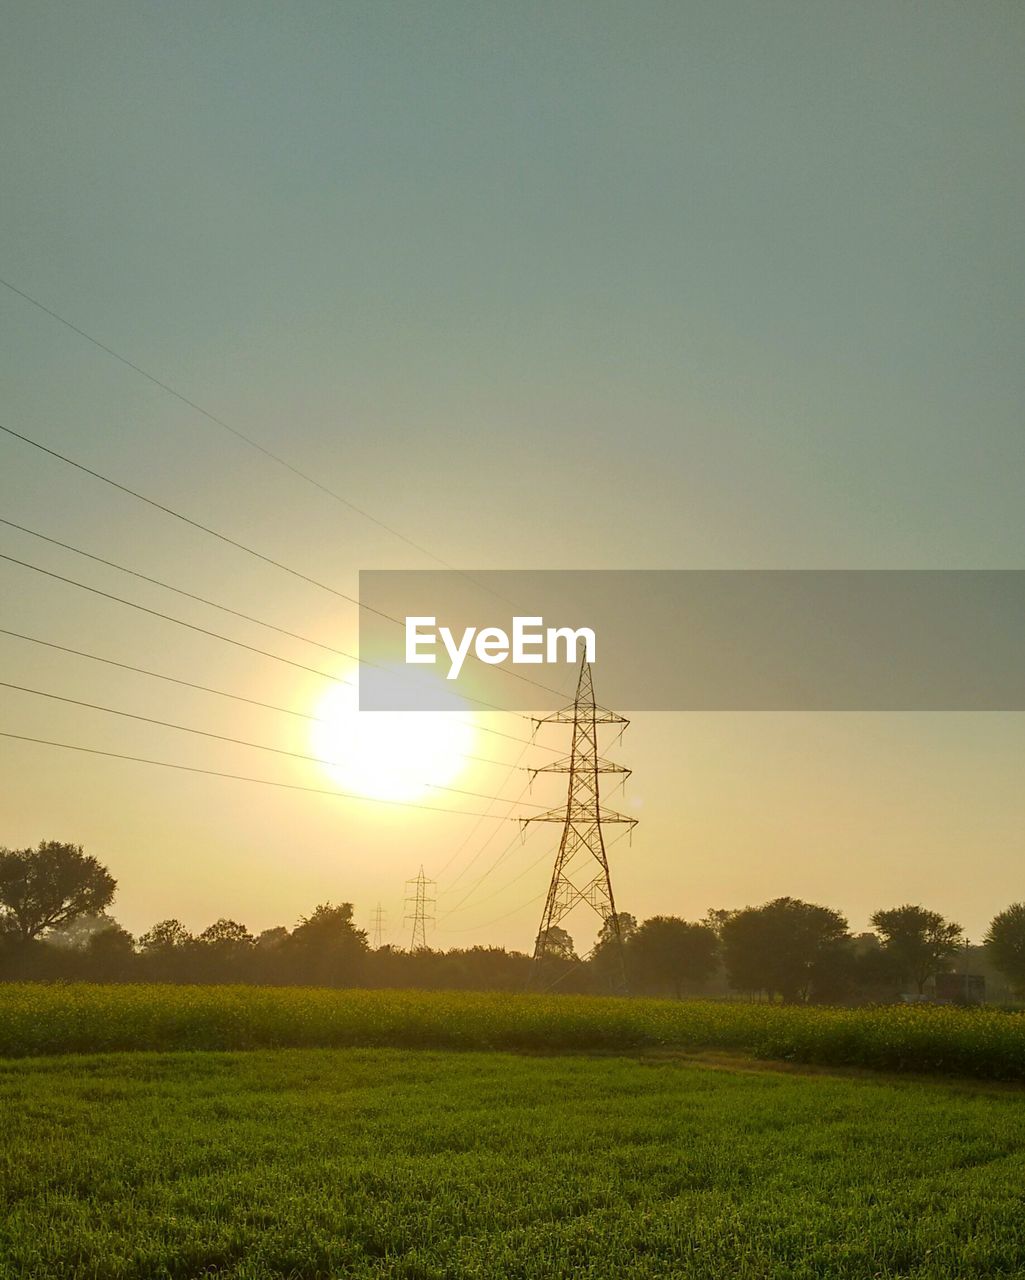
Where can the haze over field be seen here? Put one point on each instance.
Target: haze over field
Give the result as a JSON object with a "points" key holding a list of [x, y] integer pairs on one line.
{"points": [[669, 286]]}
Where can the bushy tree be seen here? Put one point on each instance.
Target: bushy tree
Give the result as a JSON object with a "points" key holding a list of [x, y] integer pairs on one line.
{"points": [[326, 948], [50, 886], [782, 947], [110, 954], [271, 939], [607, 958], [166, 952], [919, 942], [1005, 943], [667, 953], [227, 934], [166, 935], [559, 945]]}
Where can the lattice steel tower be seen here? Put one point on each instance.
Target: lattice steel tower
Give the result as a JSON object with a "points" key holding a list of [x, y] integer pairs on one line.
{"points": [[581, 873], [377, 927], [419, 897]]}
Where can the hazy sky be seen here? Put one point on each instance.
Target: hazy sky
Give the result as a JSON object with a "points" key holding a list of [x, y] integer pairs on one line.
{"points": [[557, 285]]}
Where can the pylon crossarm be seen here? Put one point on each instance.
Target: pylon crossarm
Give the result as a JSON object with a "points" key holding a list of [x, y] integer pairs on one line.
{"points": [[569, 765], [593, 714], [581, 815]]}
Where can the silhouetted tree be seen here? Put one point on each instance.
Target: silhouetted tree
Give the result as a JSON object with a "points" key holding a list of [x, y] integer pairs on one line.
{"points": [[919, 942], [606, 962], [874, 976], [166, 952], [326, 948], [559, 945], [110, 954], [716, 917], [49, 886], [270, 939], [166, 935], [1005, 944], [226, 933], [222, 951], [667, 953], [781, 947]]}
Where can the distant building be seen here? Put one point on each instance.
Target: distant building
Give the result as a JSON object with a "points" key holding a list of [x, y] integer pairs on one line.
{"points": [[961, 988]]}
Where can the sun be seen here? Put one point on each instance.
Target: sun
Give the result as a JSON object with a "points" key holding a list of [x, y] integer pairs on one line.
{"points": [[389, 755]]}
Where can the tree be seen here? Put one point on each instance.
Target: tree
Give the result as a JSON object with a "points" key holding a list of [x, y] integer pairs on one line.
{"points": [[49, 887], [167, 952], [716, 917], [166, 935], [110, 953], [627, 925], [667, 952], [226, 934], [1005, 942], [326, 948], [559, 945], [919, 941], [222, 951], [606, 961], [78, 933], [272, 939], [781, 947]]}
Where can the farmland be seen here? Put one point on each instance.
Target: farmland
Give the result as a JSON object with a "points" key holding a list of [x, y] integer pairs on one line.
{"points": [[87, 1018], [398, 1163], [159, 1133]]}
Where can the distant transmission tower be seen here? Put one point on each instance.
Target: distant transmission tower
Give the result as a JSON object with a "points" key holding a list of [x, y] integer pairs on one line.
{"points": [[418, 897], [581, 873], [377, 928]]}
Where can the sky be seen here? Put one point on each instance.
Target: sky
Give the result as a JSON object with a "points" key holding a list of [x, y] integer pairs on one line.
{"points": [[562, 285]]}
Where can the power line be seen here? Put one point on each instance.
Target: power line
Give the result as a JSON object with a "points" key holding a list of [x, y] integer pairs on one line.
{"points": [[253, 444], [463, 872], [189, 595], [159, 675], [222, 693], [179, 622], [470, 834], [519, 876], [213, 604], [241, 546], [240, 777], [212, 417], [196, 524], [497, 863], [238, 742], [238, 698], [498, 920]]}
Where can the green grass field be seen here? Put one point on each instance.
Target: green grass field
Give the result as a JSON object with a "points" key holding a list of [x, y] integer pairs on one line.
{"points": [[393, 1163], [236, 1132]]}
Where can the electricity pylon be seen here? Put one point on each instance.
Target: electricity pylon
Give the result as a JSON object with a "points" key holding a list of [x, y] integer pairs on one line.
{"points": [[581, 873], [417, 895], [377, 928]]}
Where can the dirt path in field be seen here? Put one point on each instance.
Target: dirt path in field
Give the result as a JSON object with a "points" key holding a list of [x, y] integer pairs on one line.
{"points": [[718, 1060]]}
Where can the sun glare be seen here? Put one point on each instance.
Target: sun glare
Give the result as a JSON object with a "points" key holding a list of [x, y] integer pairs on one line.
{"points": [[389, 755]]}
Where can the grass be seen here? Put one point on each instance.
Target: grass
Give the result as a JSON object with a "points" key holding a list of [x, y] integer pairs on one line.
{"points": [[83, 1018], [392, 1163]]}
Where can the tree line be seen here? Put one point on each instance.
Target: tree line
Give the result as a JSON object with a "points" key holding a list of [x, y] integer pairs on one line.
{"points": [[54, 924]]}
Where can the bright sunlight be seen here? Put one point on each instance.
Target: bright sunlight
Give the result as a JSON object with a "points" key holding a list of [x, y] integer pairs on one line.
{"points": [[389, 755]]}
